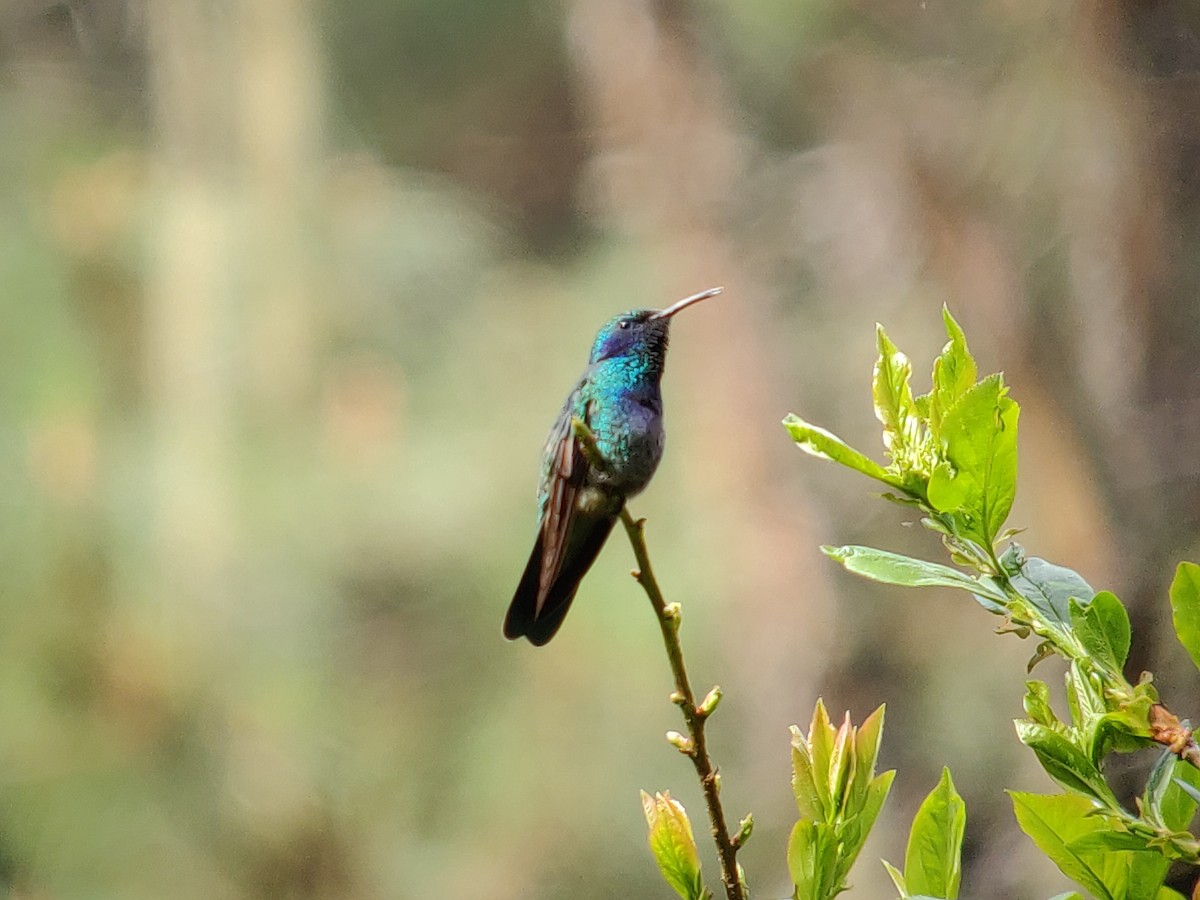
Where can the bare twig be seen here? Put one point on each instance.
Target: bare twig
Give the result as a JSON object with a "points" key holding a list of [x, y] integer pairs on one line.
{"points": [[694, 746]]}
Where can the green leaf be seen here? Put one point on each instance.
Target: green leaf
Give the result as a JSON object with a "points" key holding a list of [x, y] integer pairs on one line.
{"points": [[1185, 608], [826, 445], [821, 735], [1068, 895], [1177, 806], [804, 782], [841, 763], [1063, 761], [1037, 704], [933, 863], [1047, 587], [892, 393], [856, 829], [1090, 848], [1102, 626], [897, 879], [946, 491], [1157, 787], [866, 752], [979, 438], [673, 845], [894, 568], [1053, 822], [1102, 841], [811, 856], [1191, 790], [954, 373]]}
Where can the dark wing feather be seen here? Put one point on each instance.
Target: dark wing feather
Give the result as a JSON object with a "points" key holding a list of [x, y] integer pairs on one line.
{"points": [[540, 626], [567, 474], [567, 542]]}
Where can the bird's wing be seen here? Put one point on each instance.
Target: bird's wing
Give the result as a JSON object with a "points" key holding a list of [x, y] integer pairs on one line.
{"points": [[567, 472]]}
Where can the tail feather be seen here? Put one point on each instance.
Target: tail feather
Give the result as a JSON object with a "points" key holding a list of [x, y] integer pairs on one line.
{"points": [[539, 622]]}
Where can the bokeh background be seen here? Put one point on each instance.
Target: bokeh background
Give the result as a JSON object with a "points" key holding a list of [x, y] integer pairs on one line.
{"points": [[290, 292]]}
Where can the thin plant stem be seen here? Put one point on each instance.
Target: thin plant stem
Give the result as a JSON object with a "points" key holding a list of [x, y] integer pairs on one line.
{"points": [[695, 747]]}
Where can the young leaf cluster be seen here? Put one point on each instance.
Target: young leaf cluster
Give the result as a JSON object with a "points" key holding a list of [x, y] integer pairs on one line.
{"points": [[839, 797], [952, 455]]}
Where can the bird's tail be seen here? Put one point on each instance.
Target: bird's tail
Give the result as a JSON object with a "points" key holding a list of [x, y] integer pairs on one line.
{"points": [[539, 622]]}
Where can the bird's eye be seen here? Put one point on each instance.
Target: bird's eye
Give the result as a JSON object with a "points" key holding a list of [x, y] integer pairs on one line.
{"points": [[623, 324]]}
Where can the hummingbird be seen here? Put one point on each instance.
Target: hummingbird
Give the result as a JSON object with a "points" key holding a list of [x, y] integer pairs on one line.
{"points": [[579, 495]]}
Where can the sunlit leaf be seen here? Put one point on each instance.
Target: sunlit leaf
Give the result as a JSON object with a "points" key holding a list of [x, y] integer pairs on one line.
{"points": [[894, 568], [979, 436], [808, 798], [866, 751], [811, 857], [954, 373], [892, 393], [1053, 822], [826, 445], [856, 830], [933, 863], [673, 845]]}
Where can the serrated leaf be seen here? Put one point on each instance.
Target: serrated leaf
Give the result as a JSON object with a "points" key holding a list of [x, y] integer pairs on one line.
{"points": [[933, 863], [826, 445], [892, 393], [895, 568], [979, 439], [673, 845], [1102, 626], [1185, 608], [954, 373], [1047, 587], [1052, 822]]}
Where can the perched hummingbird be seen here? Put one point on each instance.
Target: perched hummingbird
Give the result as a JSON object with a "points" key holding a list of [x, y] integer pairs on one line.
{"points": [[618, 398]]}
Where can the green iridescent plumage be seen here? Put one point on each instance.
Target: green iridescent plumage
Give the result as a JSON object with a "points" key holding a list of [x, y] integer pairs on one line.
{"points": [[618, 398]]}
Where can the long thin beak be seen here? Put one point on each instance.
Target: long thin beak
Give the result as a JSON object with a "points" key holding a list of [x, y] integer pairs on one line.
{"points": [[684, 303]]}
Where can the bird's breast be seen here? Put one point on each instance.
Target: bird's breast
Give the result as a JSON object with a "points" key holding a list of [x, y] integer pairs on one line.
{"points": [[629, 434]]}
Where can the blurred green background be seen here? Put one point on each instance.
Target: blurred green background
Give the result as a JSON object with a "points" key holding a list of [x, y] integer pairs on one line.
{"points": [[292, 291]]}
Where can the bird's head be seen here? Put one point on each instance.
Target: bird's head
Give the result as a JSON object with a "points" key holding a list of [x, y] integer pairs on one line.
{"points": [[641, 332]]}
